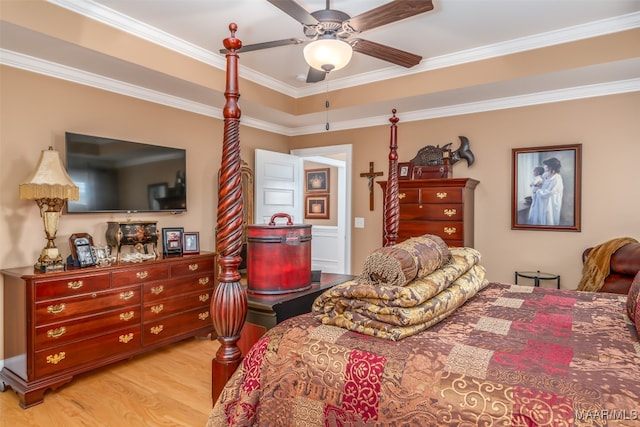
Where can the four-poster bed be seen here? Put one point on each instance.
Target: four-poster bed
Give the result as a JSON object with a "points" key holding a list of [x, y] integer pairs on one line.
{"points": [[499, 354]]}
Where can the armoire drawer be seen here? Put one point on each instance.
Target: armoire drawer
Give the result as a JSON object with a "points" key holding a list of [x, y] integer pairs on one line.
{"points": [[73, 355], [441, 195], [448, 230], [431, 212], [56, 310]]}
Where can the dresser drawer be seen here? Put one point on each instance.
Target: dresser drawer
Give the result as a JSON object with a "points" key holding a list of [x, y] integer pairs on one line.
{"points": [[169, 327], [140, 274], [195, 266], [431, 212], [59, 333], [173, 305], [159, 291], [447, 230], [56, 310], [441, 195], [409, 195], [73, 355], [46, 289]]}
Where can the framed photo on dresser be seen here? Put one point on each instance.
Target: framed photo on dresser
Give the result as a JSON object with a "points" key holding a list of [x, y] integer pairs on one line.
{"points": [[172, 240]]}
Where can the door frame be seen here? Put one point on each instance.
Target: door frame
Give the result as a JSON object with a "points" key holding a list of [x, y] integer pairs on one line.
{"points": [[320, 155]]}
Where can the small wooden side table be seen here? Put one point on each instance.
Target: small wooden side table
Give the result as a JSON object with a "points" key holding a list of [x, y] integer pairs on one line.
{"points": [[269, 310], [537, 276]]}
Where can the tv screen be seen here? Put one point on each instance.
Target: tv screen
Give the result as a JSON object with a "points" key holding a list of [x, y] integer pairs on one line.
{"points": [[125, 176]]}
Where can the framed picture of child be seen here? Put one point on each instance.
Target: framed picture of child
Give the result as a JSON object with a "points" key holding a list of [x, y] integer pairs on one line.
{"points": [[546, 188]]}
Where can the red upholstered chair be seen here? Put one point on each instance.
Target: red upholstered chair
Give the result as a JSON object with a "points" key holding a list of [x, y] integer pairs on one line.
{"points": [[625, 264]]}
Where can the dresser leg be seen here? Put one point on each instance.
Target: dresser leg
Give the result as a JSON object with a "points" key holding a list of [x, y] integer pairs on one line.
{"points": [[30, 394]]}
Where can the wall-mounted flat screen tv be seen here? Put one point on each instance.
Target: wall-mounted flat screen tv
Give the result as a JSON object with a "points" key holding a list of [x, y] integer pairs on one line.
{"points": [[125, 176]]}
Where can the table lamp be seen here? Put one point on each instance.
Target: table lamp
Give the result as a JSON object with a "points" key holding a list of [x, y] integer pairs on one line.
{"points": [[50, 186]]}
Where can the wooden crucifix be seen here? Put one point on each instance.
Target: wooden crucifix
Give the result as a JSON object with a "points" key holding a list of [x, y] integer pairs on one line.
{"points": [[370, 176]]}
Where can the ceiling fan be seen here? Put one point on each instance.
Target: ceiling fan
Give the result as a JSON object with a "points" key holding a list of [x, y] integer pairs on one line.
{"points": [[335, 25]]}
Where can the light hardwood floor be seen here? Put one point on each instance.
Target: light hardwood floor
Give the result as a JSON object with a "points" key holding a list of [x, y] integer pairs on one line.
{"points": [[170, 386]]}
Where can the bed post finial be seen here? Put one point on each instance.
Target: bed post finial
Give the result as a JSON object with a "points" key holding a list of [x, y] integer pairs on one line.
{"points": [[229, 302], [392, 203]]}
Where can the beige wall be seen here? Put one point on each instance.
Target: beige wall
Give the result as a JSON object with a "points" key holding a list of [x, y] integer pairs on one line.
{"points": [[36, 112], [607, 127]]}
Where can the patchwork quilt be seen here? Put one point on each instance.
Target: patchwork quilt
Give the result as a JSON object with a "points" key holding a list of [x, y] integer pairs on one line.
{"points": [[510, 356]]}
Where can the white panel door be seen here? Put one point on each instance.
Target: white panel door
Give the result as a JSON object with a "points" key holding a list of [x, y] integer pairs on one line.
{"points": [[278, 186]]}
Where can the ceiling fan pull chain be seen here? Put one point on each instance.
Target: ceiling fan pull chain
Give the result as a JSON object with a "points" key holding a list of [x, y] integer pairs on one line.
{"points": [[326, 107]]}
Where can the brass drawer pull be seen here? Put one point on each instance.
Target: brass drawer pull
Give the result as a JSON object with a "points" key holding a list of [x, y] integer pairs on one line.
{"points": [[56, 309], [203, 280], [193, 267], [56, 358], [142, 274], [203, 297], [77, 284], [126, 295], [203, 316], [155, 330], [126, 316], [157, 290], [157, 308], [441, 195], [402, 196], [449, 230], [450, 212], [56, 333], [125, 338]]}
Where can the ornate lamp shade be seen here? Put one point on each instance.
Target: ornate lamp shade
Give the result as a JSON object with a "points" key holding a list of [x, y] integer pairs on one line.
{"points": [[328, 54], [50, 186]]}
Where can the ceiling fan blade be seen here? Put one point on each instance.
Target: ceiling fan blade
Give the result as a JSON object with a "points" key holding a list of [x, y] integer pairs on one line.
{"points": [[388, 13], [315, 76], [294, 10], [267, 45], [386, 53]]}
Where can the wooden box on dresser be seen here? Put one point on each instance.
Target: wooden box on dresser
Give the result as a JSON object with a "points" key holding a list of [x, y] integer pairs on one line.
{"points": [[57, 325], [442, 206]]}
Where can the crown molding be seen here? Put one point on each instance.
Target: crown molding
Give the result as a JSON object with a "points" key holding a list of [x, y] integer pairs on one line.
{"points": [[546, 97], [51, 69], [140, 29]]}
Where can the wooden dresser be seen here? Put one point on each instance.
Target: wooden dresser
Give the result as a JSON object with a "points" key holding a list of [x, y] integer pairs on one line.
{"points": [[443, 207], [57, 325]]}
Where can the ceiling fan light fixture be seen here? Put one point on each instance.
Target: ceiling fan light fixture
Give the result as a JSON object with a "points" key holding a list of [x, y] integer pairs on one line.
{"points": [[328, 54]]}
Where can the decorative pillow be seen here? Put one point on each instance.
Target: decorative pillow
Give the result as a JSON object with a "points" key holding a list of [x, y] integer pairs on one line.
{"points": [[633, 302], [399, 264]]}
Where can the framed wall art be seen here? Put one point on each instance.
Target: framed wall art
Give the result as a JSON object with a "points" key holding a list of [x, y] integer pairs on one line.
{"points": [[191, 244], [546, 188], [172, 240], [317, 207], [317, 180]]}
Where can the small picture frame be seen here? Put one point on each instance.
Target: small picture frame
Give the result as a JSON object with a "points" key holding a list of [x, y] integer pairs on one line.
{"points": [[317, 180], [405, 170], [172, 240], [81, 245], [191, 243], [317, 207], [102, 255]]}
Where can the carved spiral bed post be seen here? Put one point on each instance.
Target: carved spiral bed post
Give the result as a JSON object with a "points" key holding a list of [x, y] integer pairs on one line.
{"points": [[392, 202], [229, 302]]}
